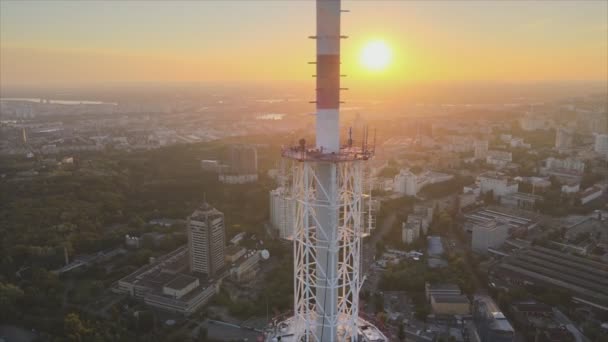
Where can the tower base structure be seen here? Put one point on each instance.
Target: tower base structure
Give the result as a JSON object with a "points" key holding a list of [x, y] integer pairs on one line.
{"points": [[328, 191], [287, 331]]}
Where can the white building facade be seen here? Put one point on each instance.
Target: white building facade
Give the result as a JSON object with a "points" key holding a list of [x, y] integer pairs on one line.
{"points": [[282, 212], [499, 184], [491, 234]]}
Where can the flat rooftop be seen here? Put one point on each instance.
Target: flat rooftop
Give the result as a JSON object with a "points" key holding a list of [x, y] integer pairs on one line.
{"points": [[157, 274], [585, 277], [180, 281], [443, 287], [485, 215], [453, 299]]}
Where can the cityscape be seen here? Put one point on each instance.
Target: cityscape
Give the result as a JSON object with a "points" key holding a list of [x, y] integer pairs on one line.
{"points": [[170, 171]]}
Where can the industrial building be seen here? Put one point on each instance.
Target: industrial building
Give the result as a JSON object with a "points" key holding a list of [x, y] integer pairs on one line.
{"points": [[441, 289], [582, 277], [517, 222], [206, 240], [520, 200], [166, 283]]}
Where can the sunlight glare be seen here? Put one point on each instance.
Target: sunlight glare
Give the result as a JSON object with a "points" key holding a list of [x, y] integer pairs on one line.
{"points": [[376, 55]]}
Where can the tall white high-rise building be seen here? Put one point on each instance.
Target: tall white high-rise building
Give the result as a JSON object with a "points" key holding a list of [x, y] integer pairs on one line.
{"points": [[481, 149], [406, 182], [601, 144], [282, 212], [563, 139], [206, 240]]}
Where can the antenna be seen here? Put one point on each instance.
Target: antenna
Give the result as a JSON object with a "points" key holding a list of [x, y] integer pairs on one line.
{"points": [[374, 147]]}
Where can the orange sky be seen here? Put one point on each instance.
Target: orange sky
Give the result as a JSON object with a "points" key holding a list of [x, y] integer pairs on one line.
{"points": [[72, 42]]}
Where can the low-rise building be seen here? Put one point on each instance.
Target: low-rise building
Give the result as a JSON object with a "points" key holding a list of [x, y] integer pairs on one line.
{"points": [[210, 165], [499, 159], [601, 144], [450, 305], [409, 183], [498, 183], [520, 200], [233, 253], [472, 188], [410, 232], [246, 266], [441, 289], [571, 188], [165, 283], [591, 193]]}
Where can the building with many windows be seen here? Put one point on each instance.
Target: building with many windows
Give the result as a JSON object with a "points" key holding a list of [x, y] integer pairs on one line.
{"points": [[282, 212], [497, 183], [601, 144], [206, 240]]}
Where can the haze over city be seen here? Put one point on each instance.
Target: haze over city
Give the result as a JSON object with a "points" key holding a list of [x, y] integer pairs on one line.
{"points": [[304, 171]]}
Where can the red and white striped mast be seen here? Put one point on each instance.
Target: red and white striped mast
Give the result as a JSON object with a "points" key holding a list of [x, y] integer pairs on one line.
{"points": [[327, 187]]}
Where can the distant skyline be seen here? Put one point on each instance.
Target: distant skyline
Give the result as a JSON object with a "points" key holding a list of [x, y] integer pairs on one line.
{"points": [[69, 42]]}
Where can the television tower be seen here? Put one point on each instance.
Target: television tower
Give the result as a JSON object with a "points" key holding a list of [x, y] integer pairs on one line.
{"points": [[327, 186]]}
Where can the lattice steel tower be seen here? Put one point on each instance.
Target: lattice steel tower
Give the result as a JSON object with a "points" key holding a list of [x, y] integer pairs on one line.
{"points": [[327, 186]]}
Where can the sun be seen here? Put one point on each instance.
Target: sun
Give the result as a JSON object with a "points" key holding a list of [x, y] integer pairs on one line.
{"points": [[375, 55]]}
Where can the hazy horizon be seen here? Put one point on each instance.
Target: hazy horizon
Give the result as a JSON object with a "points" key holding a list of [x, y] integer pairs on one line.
{"points": [[72, 43]]}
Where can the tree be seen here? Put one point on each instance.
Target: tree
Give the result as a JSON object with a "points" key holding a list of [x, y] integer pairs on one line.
{"points": [[401, 333], [136, 222], [379, 249], [9, 297], [75, 328], [378, 302], [145, 321], [421, 313], [202, 334]]}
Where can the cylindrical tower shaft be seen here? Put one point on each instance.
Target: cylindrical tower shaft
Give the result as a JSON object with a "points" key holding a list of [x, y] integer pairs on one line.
{"points": [[327, 139], [328, 75]]}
